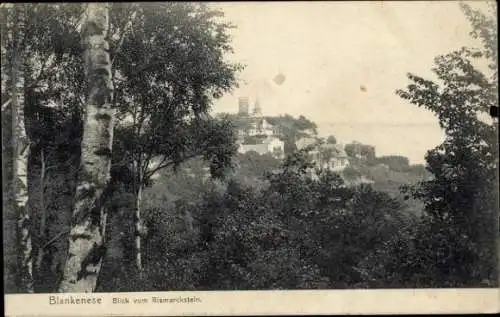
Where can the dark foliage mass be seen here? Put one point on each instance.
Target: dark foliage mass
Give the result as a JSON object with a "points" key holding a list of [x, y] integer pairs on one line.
{"points": [[461, 201], [291, 232]]}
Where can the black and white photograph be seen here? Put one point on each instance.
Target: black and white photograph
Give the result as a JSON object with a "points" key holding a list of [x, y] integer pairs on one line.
{"points": [[158, 147]]}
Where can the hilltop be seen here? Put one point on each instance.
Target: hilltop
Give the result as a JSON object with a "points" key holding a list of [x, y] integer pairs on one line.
{"points": [[263, 143]]}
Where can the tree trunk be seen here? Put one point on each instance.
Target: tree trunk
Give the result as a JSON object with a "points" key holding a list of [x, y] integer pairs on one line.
{"points": [[88, 223], [114, 270], [20, 146], [138, 232], [51, 215], [43, 214], [9, 215]]}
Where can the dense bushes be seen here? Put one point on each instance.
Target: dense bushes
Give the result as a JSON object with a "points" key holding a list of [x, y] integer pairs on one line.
{"points": [[291, 233], [294, 232]]}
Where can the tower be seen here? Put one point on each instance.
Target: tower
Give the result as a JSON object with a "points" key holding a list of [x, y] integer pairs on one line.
{"points": [[243, 105], [257, 110]]}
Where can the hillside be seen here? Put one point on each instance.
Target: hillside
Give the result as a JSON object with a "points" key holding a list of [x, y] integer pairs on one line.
{"points": [[385, 173], [390, 181]]}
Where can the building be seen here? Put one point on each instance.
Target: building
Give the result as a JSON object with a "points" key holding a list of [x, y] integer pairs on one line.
{"points": [[270, 145], [313, 143], [302, 143], [361, 151], [264, 135], [260, 126], [257, 109], [326, 156], [337, 158], [243, 108]]}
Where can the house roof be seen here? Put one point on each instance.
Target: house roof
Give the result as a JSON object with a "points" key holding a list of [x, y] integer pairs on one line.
{"points": [[305, 142], [271, 139], [337, 148], [259, 148]]}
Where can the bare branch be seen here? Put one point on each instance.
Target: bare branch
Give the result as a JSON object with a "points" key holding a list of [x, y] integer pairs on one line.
{"points": [[57, 236], [81, 100], [156, 169], [144, 168], [162, 166], [54, 238], [6, 104], [79, 22], [148, 174]]}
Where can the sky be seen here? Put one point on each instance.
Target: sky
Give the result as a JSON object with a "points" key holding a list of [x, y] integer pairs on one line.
{"points": [[342, 62]]}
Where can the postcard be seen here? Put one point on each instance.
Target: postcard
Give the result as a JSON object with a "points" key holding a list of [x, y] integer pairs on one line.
{"points": [[250, 158]]}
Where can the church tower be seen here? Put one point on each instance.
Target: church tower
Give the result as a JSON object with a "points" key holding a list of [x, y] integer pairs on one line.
{"points": [[243, 106], [257, 110]]}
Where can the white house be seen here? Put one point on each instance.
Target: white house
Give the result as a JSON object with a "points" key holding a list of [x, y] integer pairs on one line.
{"points": [[260, 126], [326, 156], [339, 159], [270, 145], [305, 142]]}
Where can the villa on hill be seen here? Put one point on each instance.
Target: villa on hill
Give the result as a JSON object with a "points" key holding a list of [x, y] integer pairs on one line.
{"points": [[326, 156], [338, 160], [273, 146], [264, 134]]}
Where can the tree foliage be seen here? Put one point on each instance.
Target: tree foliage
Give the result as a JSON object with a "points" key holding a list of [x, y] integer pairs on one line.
{"points": [[461, 201], [395, 162], [168, 67], [358, 150], [292, 129], [165, 98], [295, 233], [331, 140]]}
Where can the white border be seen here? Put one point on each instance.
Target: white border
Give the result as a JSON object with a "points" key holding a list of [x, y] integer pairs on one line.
{"points": [[302, 302]]}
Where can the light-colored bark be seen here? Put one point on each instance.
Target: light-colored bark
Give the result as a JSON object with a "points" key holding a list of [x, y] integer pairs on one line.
{"points": [[9, 216], [138, 231], [43, 213], [20, 144], [87, 228]]}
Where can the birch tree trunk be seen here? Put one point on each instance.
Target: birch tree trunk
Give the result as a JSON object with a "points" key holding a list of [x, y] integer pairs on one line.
{"points": [[138, 231], [9, 217], [136, 217], [43, 214], [87, 229], [20, 145]]}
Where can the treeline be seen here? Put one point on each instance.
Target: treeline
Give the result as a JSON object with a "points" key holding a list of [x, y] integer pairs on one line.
{"points": [[292, 232]]}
